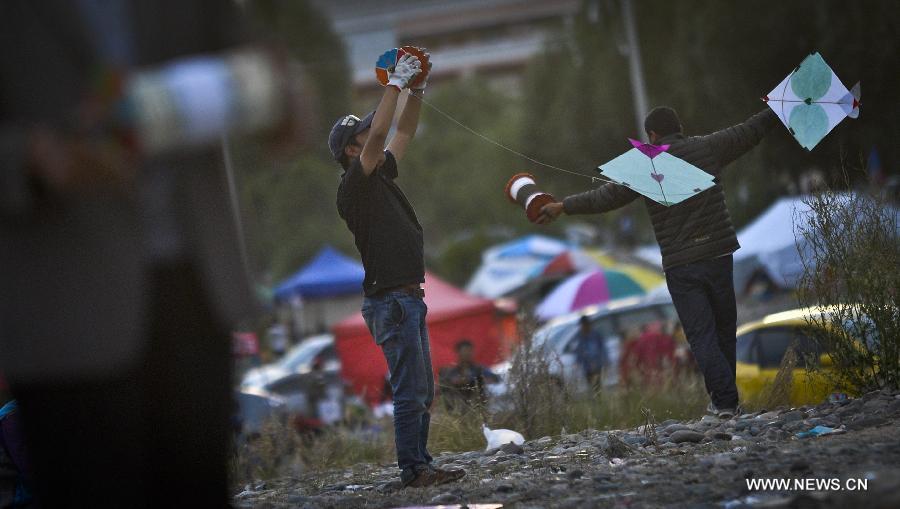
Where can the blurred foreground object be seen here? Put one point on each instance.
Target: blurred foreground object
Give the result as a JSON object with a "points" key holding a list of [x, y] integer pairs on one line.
{"points": [[122, 274], [192, 101]]}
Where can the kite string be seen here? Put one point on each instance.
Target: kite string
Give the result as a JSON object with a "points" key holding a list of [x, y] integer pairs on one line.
{"points": [[527, 157], [502, 146]]}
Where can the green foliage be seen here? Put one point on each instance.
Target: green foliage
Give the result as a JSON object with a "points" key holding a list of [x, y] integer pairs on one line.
{"points": [[289, 207], [280, 451], [543, 404], [851, 250], [290, 211], [711, 61], [454, 179], [305, 31]]}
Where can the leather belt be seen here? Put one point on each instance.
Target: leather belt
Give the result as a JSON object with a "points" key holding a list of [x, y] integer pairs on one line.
{"points": [[413, 290]]}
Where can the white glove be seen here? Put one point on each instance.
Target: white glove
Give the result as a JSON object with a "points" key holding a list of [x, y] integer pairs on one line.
{"points": [[421, 86], [406, 69]]}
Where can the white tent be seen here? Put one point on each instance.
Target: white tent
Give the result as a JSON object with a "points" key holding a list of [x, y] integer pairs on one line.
{"points": [[508, 266], [769, 244]]}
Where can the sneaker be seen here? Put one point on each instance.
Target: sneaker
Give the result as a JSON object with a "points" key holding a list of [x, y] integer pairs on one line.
{"points": [[727, 413], [723, 413], [433, 476]]}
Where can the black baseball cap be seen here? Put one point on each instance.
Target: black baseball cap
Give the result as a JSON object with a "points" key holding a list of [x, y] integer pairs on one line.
{"points": [[344, 130]]}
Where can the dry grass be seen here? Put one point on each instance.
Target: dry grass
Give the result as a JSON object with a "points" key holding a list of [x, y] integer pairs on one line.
{"points": [[279, 451]]}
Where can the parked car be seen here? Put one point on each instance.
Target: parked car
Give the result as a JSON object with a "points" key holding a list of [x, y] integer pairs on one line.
{"points": [[761, 347], [307, 379], [253, 409], [556, 340], [314, 351]]}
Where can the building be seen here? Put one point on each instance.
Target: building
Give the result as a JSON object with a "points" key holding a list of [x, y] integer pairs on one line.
{"points": [[490, 37]]}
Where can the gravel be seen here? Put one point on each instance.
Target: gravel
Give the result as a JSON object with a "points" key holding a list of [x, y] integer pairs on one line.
{"points": [[697, 463]]}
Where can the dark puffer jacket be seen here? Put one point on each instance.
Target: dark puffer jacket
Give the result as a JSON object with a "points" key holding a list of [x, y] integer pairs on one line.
{"points": [[700, 227]]}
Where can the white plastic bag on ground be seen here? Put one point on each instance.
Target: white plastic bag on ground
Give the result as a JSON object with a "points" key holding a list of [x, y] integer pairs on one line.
{"points": [[499, 437]]}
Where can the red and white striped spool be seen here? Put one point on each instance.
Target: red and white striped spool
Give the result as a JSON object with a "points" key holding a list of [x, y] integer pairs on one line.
{"points": [[522, 189]]}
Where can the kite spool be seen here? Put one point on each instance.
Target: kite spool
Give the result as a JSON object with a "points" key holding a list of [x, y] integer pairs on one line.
{"points": [[386, 62], [522, 189]]}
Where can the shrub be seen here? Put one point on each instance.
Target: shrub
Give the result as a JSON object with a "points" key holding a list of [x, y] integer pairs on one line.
{"points": [[850, 251]]}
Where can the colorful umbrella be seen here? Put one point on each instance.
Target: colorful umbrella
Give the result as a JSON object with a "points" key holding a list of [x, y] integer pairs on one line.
{"points": [[647, 278], [584, 260], [585, 289]]}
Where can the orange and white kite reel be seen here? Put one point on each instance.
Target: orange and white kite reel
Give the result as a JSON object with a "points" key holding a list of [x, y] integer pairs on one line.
{"points": [[522, 189]]}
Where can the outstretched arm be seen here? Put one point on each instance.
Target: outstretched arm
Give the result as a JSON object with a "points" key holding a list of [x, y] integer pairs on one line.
{"points": [[596, 201], [733, 142]]}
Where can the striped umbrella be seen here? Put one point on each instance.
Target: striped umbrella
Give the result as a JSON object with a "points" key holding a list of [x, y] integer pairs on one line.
{"points": [[588, 288]]}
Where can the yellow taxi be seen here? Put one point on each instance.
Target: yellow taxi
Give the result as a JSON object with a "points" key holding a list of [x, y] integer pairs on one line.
{"points": [[761, 347]]}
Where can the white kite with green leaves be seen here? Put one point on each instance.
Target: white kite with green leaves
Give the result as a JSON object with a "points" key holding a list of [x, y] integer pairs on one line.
{"points": [[811, 101]]}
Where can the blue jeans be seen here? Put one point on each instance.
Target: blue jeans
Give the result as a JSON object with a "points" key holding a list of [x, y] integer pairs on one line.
{"points": [[703, 294], [397, 322]]}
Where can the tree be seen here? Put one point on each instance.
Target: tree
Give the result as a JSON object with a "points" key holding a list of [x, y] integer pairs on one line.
{"points": [[287, 204], [850, 247], [712, 61]]}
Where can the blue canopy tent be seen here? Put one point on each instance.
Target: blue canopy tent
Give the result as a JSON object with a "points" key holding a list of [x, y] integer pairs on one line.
{"points": [[329, 274]]}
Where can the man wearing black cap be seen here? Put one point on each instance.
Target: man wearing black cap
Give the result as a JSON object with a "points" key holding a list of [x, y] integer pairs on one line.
{"points": [[389, 239], [696, 239]]}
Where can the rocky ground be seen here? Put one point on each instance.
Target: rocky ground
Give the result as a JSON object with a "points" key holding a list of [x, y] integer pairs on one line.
{"points": [[700, 463]]}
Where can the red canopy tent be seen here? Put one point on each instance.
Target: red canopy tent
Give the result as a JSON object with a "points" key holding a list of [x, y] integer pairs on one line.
{"points": [[452, 316]]}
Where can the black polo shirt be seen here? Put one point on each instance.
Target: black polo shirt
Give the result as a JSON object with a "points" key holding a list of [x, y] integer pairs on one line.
{"points": [[384, 225]]}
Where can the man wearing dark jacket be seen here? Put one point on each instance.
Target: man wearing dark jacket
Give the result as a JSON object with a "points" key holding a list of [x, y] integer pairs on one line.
{"points": [[696, 238]]}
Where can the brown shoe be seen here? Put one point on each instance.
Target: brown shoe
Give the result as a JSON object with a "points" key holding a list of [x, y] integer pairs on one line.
{"points": [[432, 476]]}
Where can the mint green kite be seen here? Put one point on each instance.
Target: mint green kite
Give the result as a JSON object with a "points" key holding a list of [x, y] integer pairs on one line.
{"points": [[651, 171]]}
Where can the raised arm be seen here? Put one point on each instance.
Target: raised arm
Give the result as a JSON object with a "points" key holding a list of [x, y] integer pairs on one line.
{"points": [[407, 125], [733, 142], [373, 150], [409, 119]]}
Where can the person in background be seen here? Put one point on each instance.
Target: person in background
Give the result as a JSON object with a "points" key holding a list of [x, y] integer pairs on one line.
{"points": [[277, 339], [697, 240], [684, 359], [649, 358], [590, 350], [462, 384]]}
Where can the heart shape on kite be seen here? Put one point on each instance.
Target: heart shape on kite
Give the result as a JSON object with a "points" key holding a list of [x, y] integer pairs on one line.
{"points": [[658, 176]]}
